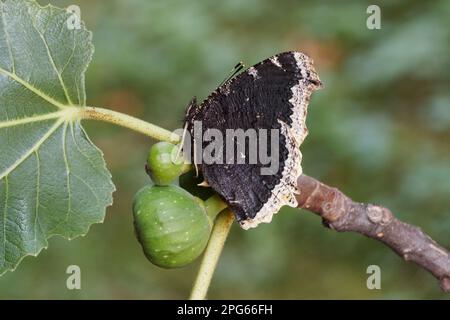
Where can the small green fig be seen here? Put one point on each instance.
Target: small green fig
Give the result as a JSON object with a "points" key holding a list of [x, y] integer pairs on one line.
{"points": [[171, 225], [163, 165]]}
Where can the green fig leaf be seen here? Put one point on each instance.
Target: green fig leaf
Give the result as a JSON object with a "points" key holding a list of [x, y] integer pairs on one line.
{"points": [[53, 180]]}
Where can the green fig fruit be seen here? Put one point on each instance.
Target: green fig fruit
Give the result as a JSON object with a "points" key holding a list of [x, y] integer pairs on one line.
{"points": [[171, 225], [163, 165]]}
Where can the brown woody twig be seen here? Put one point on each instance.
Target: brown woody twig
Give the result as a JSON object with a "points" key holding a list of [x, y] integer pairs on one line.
{"points": [[340, 213]]}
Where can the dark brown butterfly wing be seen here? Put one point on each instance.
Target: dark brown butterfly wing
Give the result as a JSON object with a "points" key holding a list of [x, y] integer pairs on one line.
{"points": [[273, 94]]}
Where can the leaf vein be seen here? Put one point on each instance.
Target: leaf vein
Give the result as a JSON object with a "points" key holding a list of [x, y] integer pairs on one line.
{"points": [[35, 147], [32, 119], [72, 54], [8, 40], [82, 152], [66, 162], [88, 186], [36, 218], [5, 214], [50, 57], [33, 89]]}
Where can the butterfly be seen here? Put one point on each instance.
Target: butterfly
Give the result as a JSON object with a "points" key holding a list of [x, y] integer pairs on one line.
{"points": [[272, 95]]}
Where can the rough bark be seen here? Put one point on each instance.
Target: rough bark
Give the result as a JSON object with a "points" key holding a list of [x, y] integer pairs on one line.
{"points": [[340, 213]]}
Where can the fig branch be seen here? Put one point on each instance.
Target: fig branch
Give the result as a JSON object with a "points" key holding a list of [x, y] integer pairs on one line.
{"points": [[212, 254], [127, 121], [342, 214], [214, 205], [338, 212]]}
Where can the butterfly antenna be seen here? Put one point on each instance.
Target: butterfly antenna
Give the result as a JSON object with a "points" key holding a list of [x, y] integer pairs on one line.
{"points": [[237, 68]]}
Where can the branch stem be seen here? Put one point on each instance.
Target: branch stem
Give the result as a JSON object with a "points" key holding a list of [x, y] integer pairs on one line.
{"points": [[337, 211], [342, 214], [124, 120], [214, 205], [212, 253]]}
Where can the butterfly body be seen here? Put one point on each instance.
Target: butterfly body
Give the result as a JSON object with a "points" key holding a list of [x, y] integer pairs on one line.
{"points": [[272, 96]]}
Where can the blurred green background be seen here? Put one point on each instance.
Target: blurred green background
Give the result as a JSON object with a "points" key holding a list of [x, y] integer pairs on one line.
{"points": [[379, 131]]}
